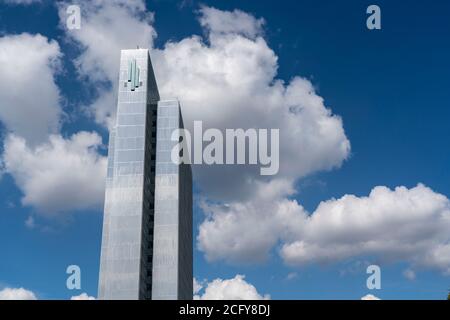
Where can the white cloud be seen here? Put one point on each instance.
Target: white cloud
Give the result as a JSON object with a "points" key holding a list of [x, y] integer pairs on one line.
{"points": [[83, 296], [231, 289], [29, 96], [393, 225], [54, 174], [229, 81], [197, 286], [370, 297], [245, 232], [410, 224], [107, 27], [227, 22], [60, 175], [16, 294], [23, 294]]}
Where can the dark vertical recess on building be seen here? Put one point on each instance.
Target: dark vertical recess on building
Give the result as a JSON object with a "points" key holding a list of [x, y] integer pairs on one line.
{"points": [[185, 267], [148, 205]]}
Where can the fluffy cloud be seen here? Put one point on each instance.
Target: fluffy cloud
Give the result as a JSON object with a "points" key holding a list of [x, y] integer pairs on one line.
{"points": [[23, 294], [229, 81], [59, 175], [116, 25], [197, 286], [107, 27], [54, 174], [83, 296], [370, 297], [227, 22], [393, 225], [230, 289], [29, 96], [245, 232], [16, 294]]}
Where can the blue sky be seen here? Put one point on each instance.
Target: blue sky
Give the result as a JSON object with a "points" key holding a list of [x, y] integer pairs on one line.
{"points": [[389, 86]]}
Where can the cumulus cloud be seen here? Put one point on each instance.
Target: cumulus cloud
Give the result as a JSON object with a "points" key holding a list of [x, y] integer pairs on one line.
{"points": [[229, 81], [83, 296], [116, 25], [370, 297], [23, 294], [108, 27], [231, 289], [55, 174], [245, 232], [59, 175], [197, 286], [393, 225], [226, 22], [16, 294], [28, 93]]}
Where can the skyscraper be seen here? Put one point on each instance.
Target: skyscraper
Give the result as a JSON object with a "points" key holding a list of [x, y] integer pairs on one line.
{"points": [[146, 248]]}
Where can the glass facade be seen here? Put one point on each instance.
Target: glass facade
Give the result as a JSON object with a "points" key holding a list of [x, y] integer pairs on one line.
{"points": [[127, 252], [172, 253]]}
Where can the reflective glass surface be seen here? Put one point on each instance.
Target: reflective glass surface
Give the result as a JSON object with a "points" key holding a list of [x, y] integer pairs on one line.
{"points": [[146, 248], [121, 264], [172, 252]]}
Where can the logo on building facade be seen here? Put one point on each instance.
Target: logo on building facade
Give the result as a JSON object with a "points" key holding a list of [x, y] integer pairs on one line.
{"points": [[133, 75]]}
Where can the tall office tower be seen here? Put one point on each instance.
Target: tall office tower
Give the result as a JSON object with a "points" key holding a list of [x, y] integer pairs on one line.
{"points": [[146, 248]]}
